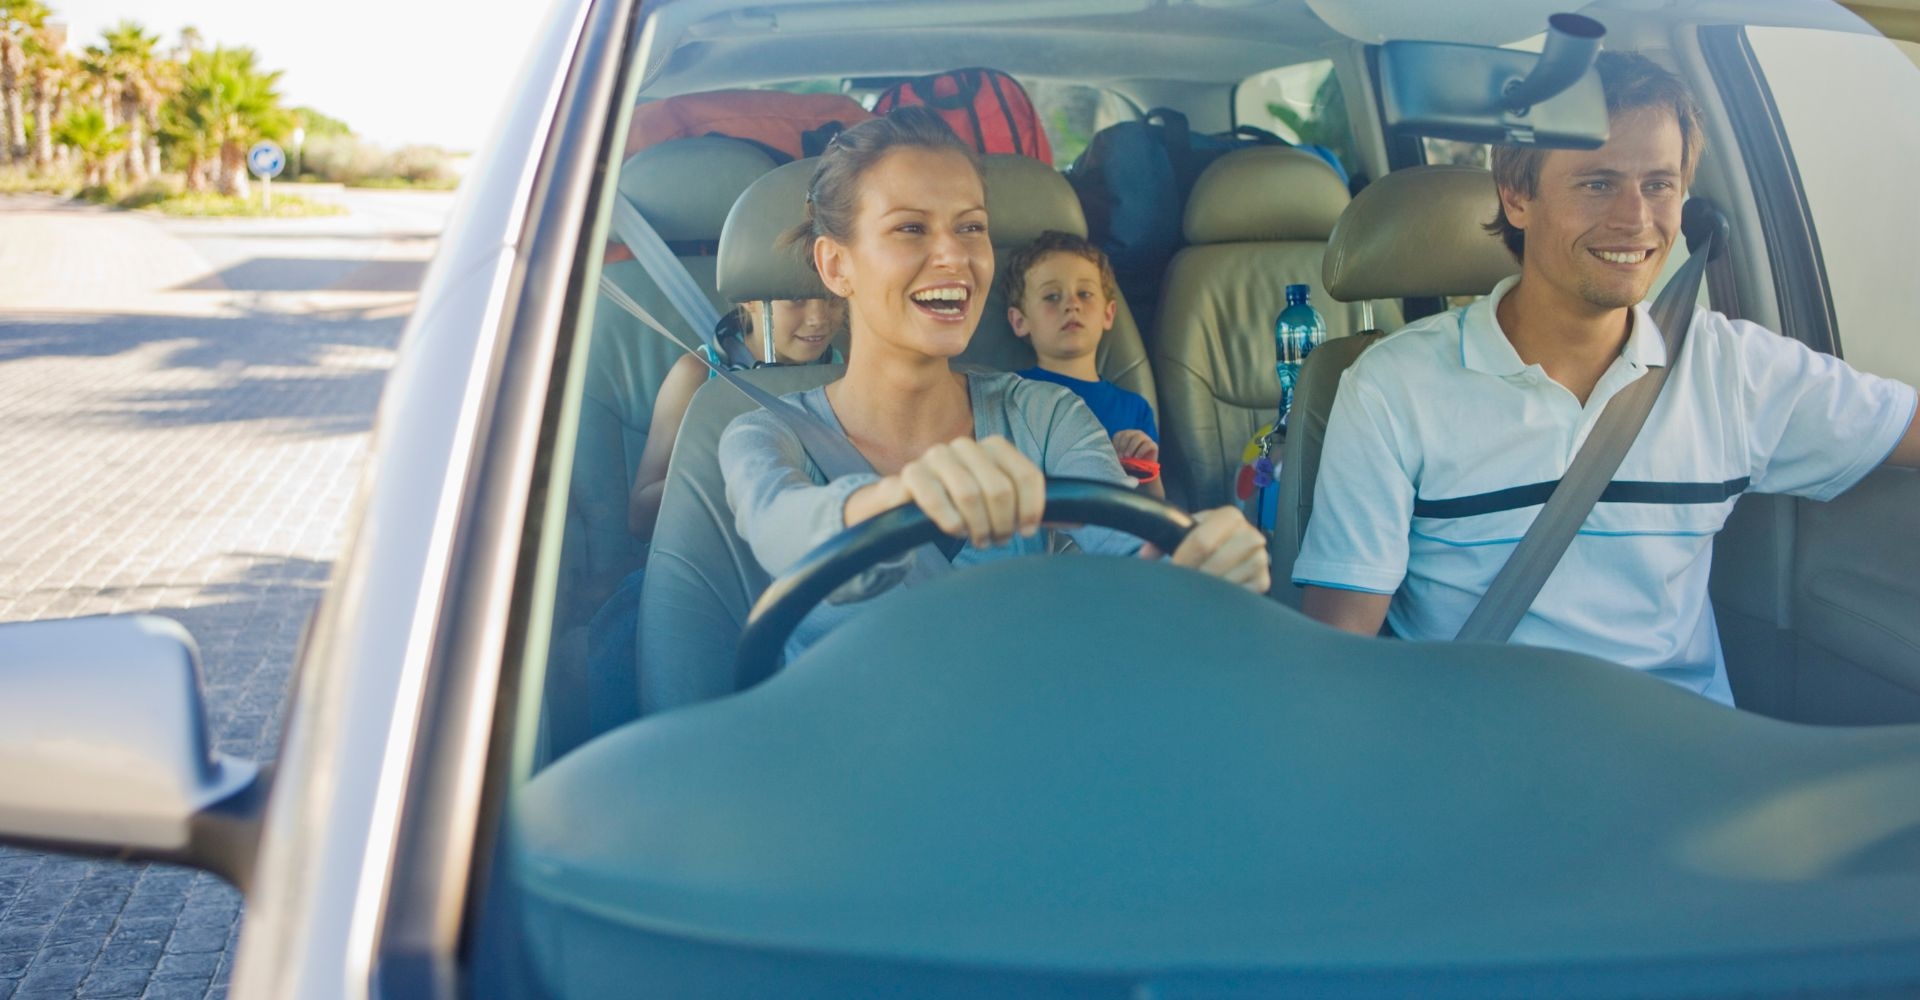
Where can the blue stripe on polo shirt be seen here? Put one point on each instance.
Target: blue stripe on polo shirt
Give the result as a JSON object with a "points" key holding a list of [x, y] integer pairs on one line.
{"points": [[1618, 491], [1477, 543], [1341, 586]]}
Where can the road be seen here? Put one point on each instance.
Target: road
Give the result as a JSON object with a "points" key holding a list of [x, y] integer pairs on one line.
{"points": [[184, 407]]}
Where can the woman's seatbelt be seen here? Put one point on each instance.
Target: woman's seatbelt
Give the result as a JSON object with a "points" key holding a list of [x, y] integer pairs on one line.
{"points": [[666, 270], [1533, 560]]}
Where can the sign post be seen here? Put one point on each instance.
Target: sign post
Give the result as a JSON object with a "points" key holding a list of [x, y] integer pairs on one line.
{"points": [[266, 161]]}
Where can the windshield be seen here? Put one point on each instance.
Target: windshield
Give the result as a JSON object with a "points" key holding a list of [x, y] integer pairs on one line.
{"points": [[618, 861]]}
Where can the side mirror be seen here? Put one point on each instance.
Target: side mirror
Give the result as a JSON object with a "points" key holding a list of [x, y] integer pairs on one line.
{"points": [[1476, 93], [103, 747]]}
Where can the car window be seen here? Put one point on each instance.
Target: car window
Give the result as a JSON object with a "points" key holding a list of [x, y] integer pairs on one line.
{"points": [[1071, 113], [1301, 104], [1850, 165]]}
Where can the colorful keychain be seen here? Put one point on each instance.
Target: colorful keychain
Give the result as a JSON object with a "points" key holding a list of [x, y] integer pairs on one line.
{"points": [[1256, 485]]}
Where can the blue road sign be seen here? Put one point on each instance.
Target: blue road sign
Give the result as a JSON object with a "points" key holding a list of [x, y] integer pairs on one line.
{"points": [[266, 159]]}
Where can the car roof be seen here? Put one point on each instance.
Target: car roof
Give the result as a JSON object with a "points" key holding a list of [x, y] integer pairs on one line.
{"points": [[705, 44]]}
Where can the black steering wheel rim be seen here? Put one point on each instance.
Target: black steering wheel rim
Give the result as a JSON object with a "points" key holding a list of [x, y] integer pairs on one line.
{"points": [[898, 531]]}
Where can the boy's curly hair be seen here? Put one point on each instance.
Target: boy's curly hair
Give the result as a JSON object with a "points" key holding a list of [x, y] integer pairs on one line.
{"points": [[1054, 241]]}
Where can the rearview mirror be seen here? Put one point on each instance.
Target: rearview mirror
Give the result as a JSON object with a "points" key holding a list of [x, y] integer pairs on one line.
{"points": [[103, 747], [1475, 93]]}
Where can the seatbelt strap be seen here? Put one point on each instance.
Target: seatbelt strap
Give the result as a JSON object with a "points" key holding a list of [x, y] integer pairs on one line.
{"points": [[633, 229], [1539, 551], [831, 451], [834, 454]]}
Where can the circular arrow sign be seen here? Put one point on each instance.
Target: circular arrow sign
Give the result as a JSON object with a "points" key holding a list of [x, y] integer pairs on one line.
{"points": [[266, 159]]}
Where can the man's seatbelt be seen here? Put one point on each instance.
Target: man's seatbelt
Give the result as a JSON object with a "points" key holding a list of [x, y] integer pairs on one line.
{"points": [[832, 452], [1533, 560]]}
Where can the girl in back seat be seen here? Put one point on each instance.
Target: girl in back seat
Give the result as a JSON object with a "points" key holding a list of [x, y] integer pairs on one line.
{"points": [[803, 332], [897, 226]]}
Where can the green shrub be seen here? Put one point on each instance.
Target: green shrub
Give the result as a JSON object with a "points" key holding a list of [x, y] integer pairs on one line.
{"points": [[221, 206], [421, 165], [342, 159], [153, 192], [20, 180]]}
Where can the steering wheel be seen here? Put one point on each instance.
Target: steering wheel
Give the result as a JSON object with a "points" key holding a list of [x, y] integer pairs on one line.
{"points": [[901, 530]]}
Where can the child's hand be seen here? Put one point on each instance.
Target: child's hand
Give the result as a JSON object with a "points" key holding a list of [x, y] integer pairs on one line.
{"points": [[1132, 443]]}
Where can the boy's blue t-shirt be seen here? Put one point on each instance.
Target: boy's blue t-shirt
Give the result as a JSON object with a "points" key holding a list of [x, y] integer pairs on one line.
{"points": [[1117, 409]]}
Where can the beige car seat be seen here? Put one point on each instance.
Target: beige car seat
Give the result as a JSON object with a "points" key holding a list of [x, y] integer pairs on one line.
{"points": [[684, 188], [702, 579], [1415, 233], [1257, 221], [1025, 198]]}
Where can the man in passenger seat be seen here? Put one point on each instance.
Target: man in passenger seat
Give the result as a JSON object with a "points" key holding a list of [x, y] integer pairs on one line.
{"points": [[1446, 437]]}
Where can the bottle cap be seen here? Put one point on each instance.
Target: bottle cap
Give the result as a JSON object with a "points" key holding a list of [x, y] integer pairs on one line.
{"points": [[1297, 293]]}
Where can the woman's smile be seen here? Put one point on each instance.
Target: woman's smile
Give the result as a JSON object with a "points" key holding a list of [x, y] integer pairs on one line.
{"points": [[920, 259]]}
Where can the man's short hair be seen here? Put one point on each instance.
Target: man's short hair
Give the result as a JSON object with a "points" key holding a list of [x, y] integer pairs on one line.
{"points": [[1054, 241], [1631, 81]]}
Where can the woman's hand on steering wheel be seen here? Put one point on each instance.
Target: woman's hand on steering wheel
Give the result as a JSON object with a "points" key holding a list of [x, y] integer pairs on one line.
{"points": [[984, 490], [1223, 544]]}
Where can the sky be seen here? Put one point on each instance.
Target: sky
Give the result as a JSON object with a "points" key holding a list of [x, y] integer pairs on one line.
{"points": [[397, 72]]}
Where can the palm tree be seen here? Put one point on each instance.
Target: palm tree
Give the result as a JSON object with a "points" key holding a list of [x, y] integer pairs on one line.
{"points": [[98, 85], [228, 102], [133, 64], [19, 21], [86, 130], [190, 42], [50, 70]]}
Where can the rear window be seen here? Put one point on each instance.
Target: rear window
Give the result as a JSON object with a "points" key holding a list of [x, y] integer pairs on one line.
{"points": [[1302, 104]]}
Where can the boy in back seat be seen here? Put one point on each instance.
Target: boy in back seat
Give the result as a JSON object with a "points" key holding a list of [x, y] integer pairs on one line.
{"points": [[1061, 296]]}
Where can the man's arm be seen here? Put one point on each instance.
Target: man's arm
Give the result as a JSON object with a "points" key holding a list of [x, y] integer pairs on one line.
{"points": [[1355, 611], [1354, 555], [1907, 452]]}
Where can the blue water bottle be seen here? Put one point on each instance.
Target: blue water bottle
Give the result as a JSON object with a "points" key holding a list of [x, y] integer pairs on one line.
{"points": [[1296, 332]]}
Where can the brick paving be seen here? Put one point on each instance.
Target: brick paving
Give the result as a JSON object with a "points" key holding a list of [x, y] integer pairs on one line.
{"points": [[177, 445]]}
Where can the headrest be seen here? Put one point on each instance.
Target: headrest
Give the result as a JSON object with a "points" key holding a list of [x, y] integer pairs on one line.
{"points": [[755, 261], [684, 187], [1417, 232], [1264, 194], [1025, 198]]}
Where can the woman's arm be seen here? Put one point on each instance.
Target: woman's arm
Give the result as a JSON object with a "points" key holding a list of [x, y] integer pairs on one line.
{"points": [[684, 378], [778, 508], [1221, 544]]}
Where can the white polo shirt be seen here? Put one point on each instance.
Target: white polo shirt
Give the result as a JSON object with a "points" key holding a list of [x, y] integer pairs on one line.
{"points": [[1443, 445]]}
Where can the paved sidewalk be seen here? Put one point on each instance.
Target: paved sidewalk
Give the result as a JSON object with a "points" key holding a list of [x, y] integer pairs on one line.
{"points": [[182, 423]]}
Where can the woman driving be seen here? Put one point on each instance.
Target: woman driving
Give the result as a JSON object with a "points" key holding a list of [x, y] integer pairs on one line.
{"points": [[897, 226]]}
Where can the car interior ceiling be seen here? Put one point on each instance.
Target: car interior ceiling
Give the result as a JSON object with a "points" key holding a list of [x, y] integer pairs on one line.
{"points": [[1198, 58]]}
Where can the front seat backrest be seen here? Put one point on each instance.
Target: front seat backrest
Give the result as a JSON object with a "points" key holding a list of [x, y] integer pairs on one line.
{"points": [[684, 188], [1025, 198], [702, 579], [1415, 233], [1257, 221], [755, 260]]}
